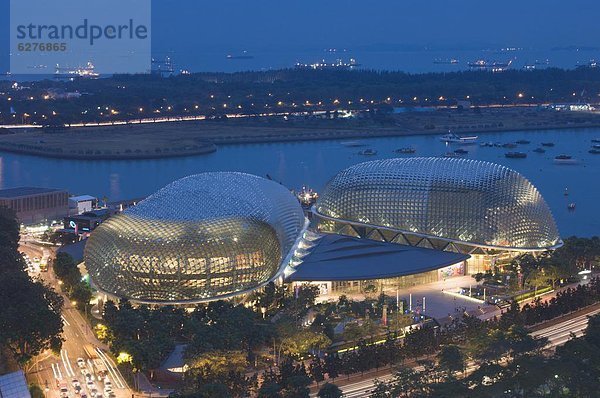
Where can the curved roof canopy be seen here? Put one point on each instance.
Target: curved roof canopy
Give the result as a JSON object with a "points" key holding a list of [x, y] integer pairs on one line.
{"points": [[343, 258], [461, 200]]}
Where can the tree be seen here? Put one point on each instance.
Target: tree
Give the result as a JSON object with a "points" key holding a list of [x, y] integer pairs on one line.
{"points": [[10, 258], [9, 229], [30, 320], [36, 391], [332, 365], [30, 317], [66, 270], [451, 359], [316, 370], [304, 341], [329, 390], [297, 387], [81, 294], [214, 365], [269, 389]]}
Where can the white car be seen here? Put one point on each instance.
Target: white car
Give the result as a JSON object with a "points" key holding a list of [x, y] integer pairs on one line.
{"points": [[81, 362], [90, 384], [95, 393], [75, 383]]}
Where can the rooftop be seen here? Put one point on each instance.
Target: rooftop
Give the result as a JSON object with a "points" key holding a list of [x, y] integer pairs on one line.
{"points": [[12, 193], [343, 258], [14, 385], [82, 198]]}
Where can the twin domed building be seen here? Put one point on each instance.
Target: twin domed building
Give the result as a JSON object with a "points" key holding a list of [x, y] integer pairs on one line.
{"points": [[401, 221]]}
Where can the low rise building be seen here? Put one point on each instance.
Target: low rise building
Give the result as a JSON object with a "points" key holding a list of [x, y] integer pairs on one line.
{"points": [[86, 222], [81, 204], [36, 205]]}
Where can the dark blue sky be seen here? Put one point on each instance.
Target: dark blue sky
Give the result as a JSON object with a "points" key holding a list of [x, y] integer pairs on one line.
{"points": [[189, 26], [350, 23]]}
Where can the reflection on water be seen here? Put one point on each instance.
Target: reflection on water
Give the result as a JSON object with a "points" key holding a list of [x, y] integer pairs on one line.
{"points": [[313, 163]]}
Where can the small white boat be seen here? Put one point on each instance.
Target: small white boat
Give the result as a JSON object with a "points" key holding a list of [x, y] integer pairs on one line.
{"points": [[456, 139]]}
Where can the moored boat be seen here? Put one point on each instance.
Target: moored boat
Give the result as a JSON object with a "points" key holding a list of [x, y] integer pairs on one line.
{"points": [[405, 150], [515, 155], [523, 142], [565, 159], [353, 143], [451, 155], [548, 144], [368, 152], [456, 139], [539, 150]]}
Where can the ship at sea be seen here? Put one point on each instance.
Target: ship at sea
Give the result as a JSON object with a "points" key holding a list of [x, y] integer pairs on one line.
{"points": [[163, 68], [337, 64], [243, 55], [494, 66], [443, 61], [88, 71]]}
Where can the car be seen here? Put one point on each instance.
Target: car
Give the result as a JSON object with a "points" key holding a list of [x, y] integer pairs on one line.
{"points": [[81, 362], [90, 384], [94, 393], [83, 395], [107, 389], [109, 394], [77, 389], [89, 377], [107, 382], [64, 391], [75, 383]]}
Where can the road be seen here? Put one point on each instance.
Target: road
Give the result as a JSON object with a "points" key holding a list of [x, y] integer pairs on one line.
{"points": [[49, 369], [557, 334]]}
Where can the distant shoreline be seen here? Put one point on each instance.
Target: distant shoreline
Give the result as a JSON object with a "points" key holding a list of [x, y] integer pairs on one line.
{"points": [[383, 134], [209, 148], [179, 139]]}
